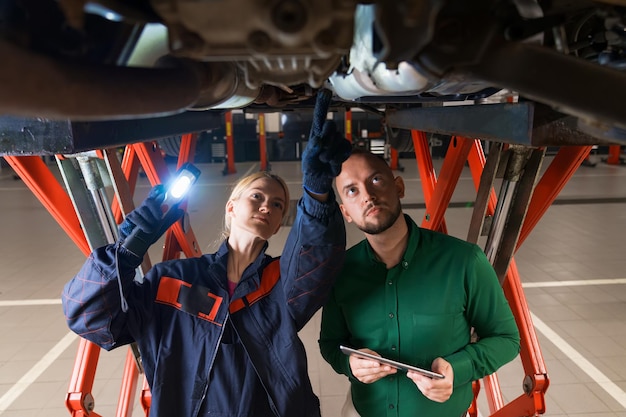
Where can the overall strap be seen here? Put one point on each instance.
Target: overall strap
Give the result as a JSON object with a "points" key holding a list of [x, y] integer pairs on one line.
{"points": [[270, 277]]}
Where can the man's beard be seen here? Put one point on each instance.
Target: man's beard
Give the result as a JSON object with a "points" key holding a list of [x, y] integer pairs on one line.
{"points": [[388, 221]]}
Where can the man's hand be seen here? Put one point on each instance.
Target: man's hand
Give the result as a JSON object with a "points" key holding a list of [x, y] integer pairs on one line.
{"points": [[326, 149], [144, 225], [368, 370], [438, 390]]}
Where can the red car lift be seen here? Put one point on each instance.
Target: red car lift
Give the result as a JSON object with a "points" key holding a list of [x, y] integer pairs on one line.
{"points": [[522, 203], [49, 191]]}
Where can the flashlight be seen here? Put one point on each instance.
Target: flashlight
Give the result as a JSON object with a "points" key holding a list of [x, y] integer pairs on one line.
{"points": [[178, 189], [139, 241]]}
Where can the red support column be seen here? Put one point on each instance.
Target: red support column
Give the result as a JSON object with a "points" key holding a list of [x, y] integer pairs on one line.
{"points": [[473, 408], [394, 160], [614, 155], [129, 386], [448, 178], [79, 400], [187, 151], [130, 166], [493, 392], [146, 397], [44, 185], [426, 169], [262, 143], [348, 125], [532, 401], [230, 145], [556, 176]]}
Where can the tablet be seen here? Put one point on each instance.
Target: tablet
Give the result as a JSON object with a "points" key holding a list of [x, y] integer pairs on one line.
{"points": [[398, 365]]}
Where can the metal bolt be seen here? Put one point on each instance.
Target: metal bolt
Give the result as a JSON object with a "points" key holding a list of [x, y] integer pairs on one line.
{"points": [[527, 385], [89, 402]]}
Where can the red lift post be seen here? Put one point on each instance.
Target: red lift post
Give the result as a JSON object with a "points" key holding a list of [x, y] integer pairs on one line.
{"points": [[614, 157], [263, 143], [394, 162], [130, 166], [230, 145], [348, 125]]}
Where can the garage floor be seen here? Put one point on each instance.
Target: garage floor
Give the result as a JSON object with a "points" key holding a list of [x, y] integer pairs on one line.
{"points": [[573, 267]]}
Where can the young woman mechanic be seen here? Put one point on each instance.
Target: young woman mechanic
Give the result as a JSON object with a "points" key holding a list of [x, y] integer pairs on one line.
{"points": [[218, 334]]}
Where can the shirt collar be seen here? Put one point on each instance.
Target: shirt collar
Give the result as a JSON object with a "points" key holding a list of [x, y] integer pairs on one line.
{"points": [[414, 237]]}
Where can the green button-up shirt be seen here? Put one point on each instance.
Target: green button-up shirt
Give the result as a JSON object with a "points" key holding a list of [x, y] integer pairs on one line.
{"points": [[420, 309]]}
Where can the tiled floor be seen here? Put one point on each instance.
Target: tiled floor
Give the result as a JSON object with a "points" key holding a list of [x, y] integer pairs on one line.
{"points": [[573, 267]]}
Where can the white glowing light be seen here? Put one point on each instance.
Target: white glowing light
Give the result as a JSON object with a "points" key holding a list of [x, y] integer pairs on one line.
{"points": [[181, 186]]}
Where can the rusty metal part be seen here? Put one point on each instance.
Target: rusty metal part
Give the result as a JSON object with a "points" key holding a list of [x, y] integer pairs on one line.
{"points": [[34, 85], [277, 97], [222, 83], [405, 28], [278, 42], [514, 123], [565, 132], [36, 136], [509, 123], [610, 134]]}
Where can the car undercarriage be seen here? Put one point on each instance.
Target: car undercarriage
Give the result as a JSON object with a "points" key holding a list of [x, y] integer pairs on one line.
{"points": [[75, 66]]}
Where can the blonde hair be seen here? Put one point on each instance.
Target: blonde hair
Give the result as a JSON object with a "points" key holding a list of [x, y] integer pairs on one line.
{"points": [[242, 185]]}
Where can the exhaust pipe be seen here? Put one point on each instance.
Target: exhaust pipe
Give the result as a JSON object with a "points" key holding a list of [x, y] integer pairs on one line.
{"points": [[34, 85]]}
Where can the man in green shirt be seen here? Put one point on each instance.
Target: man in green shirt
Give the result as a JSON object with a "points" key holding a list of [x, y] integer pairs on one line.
{"points": [[411, 295]]}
